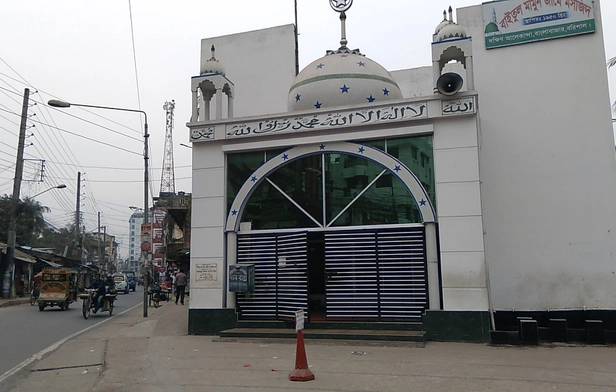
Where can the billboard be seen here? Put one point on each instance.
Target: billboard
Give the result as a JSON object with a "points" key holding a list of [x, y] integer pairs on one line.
{"points": [[514, 22]]}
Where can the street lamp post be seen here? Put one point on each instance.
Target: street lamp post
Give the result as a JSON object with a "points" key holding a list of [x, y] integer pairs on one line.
{"points": [[146, 265], [61, 186]]}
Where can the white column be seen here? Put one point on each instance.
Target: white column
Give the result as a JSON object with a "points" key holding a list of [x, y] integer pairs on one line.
{"points": [[436, 73], [434, 289], [194, 117], [218, 104], [231, 259], [470, 78], [230, 106]]}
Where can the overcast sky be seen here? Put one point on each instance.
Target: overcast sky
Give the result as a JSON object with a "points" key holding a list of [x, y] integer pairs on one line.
{"points": [[81, 51]]}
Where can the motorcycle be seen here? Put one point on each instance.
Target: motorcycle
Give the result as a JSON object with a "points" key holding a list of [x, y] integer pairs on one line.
{"points": [[89, 305]]}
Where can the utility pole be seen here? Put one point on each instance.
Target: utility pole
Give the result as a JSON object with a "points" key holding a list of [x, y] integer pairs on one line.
{"points": [[78, 212], [98, 236], [8, 285], [105, 247]]}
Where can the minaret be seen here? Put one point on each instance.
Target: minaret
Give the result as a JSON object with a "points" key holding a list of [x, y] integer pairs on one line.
{"points": [[211, 83]]}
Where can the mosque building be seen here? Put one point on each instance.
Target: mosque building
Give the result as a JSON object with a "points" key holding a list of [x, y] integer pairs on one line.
{"points": [[474, 197]]}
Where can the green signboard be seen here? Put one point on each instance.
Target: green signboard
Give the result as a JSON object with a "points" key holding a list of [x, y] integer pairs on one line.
{"points": [[515, 22]]}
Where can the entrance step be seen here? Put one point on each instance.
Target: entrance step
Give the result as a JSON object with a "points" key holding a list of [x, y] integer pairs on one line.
{"points": [[368, 336]]}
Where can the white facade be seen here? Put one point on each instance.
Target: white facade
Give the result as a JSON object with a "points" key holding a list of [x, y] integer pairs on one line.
{"points": [[525, 180]]}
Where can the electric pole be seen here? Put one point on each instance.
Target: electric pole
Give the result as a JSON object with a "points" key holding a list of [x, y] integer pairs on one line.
{"points": [[8, 285]]}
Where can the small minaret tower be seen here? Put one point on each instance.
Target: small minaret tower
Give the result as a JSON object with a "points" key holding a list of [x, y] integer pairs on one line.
{"points": [[208, 90]]}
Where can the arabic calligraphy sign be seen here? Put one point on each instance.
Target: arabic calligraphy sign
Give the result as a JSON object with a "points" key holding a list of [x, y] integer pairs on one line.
{"points": [[202, 133], [458, 106], [329, 120], [516, 22]]}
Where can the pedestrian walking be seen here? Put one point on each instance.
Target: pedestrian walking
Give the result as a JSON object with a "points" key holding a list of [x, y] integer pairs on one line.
{"points": [[180, 286]]}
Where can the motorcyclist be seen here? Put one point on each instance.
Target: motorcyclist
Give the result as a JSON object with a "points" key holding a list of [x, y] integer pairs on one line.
{"points": [[110, 285], [97, 297]]}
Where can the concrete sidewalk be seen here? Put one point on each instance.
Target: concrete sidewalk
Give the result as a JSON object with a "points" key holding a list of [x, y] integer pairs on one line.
{"points": [[134, 354]]}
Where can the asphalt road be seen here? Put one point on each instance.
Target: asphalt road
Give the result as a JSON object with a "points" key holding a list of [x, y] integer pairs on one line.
{"points": [[26, 331]]}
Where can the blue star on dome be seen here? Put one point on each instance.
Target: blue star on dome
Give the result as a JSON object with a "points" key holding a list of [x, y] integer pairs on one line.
{"points": [[297, 97], [253, 179], [234, 212], [320, 66], [344, 89], [422, 202], [397, 168], [361, 150], [285, 157], [385, 91], [370, 98], [361, 64], [322, 146], [318, 105]]}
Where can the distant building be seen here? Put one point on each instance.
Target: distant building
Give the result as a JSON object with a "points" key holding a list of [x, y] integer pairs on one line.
{"points": [[134, 242]]}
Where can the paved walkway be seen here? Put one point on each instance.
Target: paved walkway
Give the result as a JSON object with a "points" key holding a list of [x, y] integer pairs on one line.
{"points": [[134, 354]]}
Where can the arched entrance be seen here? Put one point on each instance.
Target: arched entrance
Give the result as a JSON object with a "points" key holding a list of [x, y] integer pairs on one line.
{"points": [[358, 251]]}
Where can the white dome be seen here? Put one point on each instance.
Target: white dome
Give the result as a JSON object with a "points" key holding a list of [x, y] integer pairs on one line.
{"points": [[444, 23], [212, 66], [451, 31], [342, 77]]}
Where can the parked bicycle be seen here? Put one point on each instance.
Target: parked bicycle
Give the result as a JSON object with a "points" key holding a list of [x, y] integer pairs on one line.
{"points": [[34, 294], [155, 293]]}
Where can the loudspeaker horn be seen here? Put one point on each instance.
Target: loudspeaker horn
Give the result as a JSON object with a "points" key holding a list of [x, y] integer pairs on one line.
{"points": [[449, 83]]}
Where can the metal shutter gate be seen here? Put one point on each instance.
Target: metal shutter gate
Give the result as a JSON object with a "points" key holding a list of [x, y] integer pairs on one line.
{"points": [[281, 283], [376, 274]]}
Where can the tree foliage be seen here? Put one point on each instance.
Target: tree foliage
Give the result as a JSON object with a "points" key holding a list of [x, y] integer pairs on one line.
{"points": [[29, 220]]}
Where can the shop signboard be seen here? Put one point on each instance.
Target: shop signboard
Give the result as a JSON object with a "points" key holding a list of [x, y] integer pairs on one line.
{"points": [[516, 22]]}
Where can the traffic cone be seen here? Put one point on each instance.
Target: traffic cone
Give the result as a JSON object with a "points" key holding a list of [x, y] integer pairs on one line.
{"points": [[301, 371]]}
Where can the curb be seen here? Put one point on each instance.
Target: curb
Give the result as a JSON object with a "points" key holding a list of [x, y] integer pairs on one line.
{"points": [[13, 302]]}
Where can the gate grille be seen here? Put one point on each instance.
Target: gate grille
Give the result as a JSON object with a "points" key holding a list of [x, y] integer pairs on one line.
{"points": [[281, 284], [376, 274]]}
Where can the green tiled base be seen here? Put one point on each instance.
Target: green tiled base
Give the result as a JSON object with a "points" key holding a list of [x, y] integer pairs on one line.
{"points": [[210, 321], [457, 326], [439, 325]]}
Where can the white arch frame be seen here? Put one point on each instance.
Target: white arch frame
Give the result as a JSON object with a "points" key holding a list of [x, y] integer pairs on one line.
{"points": [[390, 163]]}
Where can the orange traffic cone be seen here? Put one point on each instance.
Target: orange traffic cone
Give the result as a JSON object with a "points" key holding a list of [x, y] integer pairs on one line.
{"points": [[301, 372]]}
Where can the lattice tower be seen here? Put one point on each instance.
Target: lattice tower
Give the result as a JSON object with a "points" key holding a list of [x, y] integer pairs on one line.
{"points": [[167, 178]]}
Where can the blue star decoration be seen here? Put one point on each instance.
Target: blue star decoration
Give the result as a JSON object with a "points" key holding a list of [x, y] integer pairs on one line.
{"points": [[385, 91], [345, 55], [361, 150], [322, 146], [422, 202], [320, 66], [285, 157], [361, 64], [297, 97], [344, 89], [370, 98], [253, 179], [397, 168], [318, 105], [234, 212]]}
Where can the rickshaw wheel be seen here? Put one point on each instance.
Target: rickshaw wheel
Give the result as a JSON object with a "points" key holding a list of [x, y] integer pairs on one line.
{"points": [[41, 307], [63, 306], [33, 299], [110, 308], [85, 309]]}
